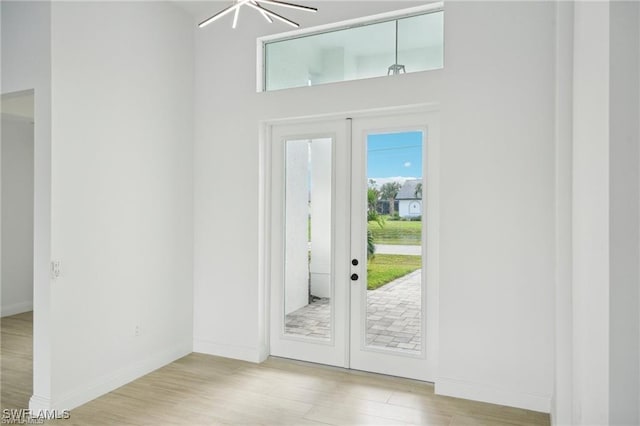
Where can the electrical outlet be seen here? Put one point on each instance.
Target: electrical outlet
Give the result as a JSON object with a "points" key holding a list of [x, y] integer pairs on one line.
{"points": [[56, 268]]}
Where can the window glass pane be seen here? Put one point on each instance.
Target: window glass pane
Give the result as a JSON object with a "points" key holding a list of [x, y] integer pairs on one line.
{"points": [[394, 241], [421, 42], [396, 46], [342, 55], [308, 228]]}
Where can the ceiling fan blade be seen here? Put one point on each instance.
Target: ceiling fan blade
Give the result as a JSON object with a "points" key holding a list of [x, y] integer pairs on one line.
{"points": [[290, 5], [273, 14], [235, 18], [219, 15], [262, 12]]}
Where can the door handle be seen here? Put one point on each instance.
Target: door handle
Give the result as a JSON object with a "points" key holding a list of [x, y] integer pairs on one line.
{"points": [[354, 262], [354, 277]]}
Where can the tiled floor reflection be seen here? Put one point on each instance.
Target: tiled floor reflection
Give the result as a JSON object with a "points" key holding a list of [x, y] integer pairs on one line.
{"points": [[393, 316], [313, 320]]}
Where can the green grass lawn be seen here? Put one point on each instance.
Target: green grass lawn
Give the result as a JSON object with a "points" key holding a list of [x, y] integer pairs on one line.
{"points": [[397, 233], [384, 268]]}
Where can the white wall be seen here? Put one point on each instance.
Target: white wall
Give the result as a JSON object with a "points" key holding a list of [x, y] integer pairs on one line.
{"points": [[601, 338], [26, 65], [321, 187], [296, 278], [122, 210], [624, 134], [497, 238], [591, 213], [562, 405], [409, 208], [308, 186], [605, 214], [497, 213], [17, 215]]}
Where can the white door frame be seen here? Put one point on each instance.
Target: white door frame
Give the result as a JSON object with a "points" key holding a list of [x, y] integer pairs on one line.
{"points": [[264, 221]]}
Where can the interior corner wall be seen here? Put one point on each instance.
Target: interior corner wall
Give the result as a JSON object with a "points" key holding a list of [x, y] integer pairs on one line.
{"points": [[26, 64], [606, 222], [624, 195], [562, 404], [17, 215], [591, 216], [122, 205], [496, 95]]}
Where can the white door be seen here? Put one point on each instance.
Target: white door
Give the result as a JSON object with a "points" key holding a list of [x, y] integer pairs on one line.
{"points": [[393, 306], [310, 241], [331, 303]]}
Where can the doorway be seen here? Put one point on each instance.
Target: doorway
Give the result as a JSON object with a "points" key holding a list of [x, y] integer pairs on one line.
{"points": [[17, 248], [353, 242]]}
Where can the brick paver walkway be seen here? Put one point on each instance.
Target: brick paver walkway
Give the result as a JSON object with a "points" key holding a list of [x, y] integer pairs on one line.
{"points": [[393, 316], [312, 320]]}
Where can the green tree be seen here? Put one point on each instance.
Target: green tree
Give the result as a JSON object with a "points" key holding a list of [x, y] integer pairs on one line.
{"points": [[371, 247], [418, 191], [373, 195], [389, 191]]}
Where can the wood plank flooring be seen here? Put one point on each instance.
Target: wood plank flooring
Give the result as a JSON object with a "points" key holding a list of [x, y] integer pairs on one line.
{"points": [[16, 360], [206, 390]]}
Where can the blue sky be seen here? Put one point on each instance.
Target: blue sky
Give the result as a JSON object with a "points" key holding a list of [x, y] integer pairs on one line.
{"points": [[394, 155]]}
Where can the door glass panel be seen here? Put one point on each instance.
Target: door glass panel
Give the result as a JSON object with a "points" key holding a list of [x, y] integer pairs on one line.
{"points": [[308, 230], [394, 241]]}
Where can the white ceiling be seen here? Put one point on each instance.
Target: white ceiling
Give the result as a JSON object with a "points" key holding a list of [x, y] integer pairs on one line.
{"points": [[201, 10]]}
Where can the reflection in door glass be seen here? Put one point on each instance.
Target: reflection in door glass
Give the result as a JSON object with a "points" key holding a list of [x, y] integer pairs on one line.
{"points": [[308, 283], [394, 241]]}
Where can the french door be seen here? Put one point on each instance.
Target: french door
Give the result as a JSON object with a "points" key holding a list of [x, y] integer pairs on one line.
{"points": [[354, 243], [310, 241]]}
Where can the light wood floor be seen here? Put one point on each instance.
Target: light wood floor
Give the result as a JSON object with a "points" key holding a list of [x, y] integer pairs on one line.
{"points": [[16, 360], [206, 390]]}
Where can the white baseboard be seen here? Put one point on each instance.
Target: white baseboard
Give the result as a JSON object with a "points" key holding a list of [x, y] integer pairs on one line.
{"points": [[121, 377], [243, 353], [553, 413], [492, 395], [16, 308], [263, 353], [38, 404]]}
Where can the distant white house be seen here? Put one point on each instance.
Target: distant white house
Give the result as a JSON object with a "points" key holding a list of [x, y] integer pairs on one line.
{"points": [[410, 203]]}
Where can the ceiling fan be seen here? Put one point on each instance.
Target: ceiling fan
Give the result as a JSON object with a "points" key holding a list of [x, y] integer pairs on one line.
{"points": [[257, 5]]}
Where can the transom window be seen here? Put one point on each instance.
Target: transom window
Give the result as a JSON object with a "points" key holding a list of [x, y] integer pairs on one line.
{"points": [[403, 42]]}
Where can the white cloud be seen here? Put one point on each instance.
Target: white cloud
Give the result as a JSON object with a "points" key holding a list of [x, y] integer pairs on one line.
{"points": [[401, 179], [407, 164]]}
